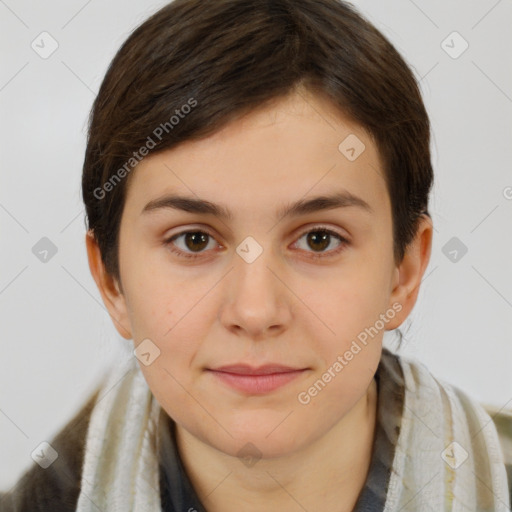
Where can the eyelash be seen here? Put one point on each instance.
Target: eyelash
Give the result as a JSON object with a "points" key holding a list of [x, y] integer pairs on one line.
{"points": [[191, 256]]}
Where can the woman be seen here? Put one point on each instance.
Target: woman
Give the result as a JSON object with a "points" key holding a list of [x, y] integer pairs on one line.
{"points": [[289, 141]]}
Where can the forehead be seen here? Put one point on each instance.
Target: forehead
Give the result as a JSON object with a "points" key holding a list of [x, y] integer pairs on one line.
{"points": [[295, 147]]}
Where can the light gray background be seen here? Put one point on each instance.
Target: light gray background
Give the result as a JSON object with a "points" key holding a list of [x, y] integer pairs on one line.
{"points": [[56, 336]]}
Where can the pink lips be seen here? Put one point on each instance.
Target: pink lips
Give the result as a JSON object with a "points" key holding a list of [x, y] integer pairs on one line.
{"points": [[260, 380]]}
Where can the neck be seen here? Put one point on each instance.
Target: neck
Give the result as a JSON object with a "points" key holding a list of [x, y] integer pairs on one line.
{"points": [[328, 474]]}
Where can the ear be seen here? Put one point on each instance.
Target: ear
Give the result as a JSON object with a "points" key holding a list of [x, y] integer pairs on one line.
{"points": [[408, 275], [109, 288]]}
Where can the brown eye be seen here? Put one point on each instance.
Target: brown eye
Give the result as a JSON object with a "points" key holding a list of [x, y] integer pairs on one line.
{"points": [[196, 241], [319, 239], [190, 244]]}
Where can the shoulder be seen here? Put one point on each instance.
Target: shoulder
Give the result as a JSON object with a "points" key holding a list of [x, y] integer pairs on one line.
{"points": [[392, 365], [57, 487], [502, 419]]}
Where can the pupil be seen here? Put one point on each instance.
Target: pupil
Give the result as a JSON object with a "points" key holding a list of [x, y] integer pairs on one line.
{"points": [[195, 238], [321, 237]]}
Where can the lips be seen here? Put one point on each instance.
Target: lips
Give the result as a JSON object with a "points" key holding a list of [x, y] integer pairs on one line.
{"points": [[245, 369], [256, 380]]}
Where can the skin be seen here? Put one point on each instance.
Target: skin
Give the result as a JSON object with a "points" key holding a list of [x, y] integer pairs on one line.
{"points": [[285, 307]]}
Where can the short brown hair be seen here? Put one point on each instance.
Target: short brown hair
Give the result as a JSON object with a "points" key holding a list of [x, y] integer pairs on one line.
{"points": [[232, 56]]}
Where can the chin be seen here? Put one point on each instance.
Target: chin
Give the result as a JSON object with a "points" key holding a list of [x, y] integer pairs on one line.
{"points": [[264, 439], [252, 447]]}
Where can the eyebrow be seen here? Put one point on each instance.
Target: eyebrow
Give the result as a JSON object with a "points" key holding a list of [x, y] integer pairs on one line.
{"points": [[342, 199]]}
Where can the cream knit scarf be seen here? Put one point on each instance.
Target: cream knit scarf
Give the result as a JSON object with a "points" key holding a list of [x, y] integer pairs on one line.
{"points": [[448, 456]]}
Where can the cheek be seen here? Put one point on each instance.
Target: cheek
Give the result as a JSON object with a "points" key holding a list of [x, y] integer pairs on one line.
{"points": [[350, 309], [348, 304], [176, 316], [168, 381], [349, 349], [162, 296], [155, 303]]}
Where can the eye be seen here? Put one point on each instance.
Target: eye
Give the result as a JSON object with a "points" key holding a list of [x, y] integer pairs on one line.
{"points": [[195, 241], [191, 244], [319, 238]]}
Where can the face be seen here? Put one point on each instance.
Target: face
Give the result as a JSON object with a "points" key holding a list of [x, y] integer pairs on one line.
{"points": [[256, 311]]}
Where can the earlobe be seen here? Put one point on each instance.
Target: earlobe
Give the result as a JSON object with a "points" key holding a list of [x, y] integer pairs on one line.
{"points": [[108, 287], [409, 274]]}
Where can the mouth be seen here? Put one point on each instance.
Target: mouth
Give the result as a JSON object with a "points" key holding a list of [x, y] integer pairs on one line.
{"points": [[256, 380]]}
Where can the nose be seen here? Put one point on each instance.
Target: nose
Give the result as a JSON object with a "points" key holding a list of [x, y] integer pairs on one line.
{"points": [[256, 299]]}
